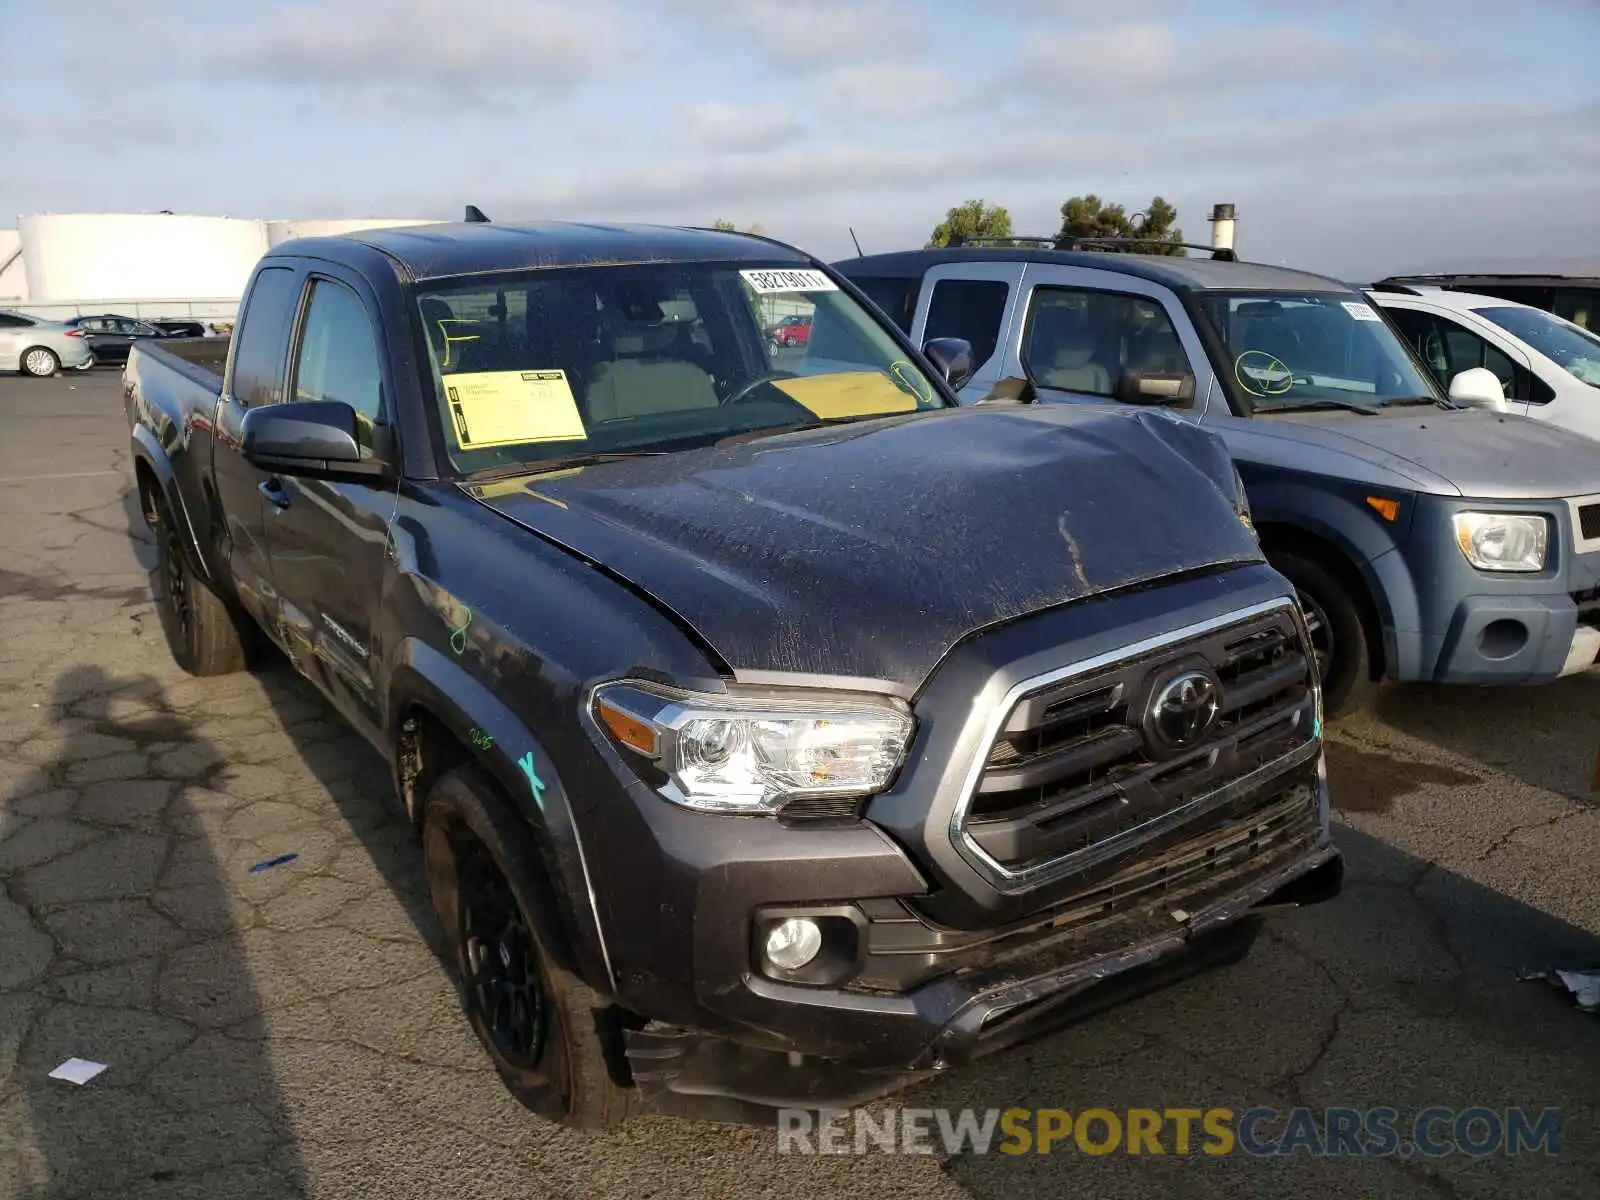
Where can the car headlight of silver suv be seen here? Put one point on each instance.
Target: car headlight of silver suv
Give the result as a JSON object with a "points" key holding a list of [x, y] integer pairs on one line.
{"points": [[1504, 541], [753, 754]]}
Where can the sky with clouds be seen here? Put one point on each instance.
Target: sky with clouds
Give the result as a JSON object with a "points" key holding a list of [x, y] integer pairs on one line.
{"points": [[1355, 136]]}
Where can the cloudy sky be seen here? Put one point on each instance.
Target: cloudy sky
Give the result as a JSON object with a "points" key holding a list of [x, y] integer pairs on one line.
{"points": [[1355, 136]]}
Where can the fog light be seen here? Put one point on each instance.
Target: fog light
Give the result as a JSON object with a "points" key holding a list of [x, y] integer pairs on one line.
{"points": [[791, 944]]}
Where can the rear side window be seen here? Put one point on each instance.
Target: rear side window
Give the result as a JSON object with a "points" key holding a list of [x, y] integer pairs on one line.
{"points": [[338, 357], [258, 347], [897, 298], [970, 309], [1080, 340], [10, 321]]}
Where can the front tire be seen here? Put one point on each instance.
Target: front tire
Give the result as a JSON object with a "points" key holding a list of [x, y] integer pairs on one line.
{"points": [[40, 362], [202, 633], [542, 1027], [1338, 631]]}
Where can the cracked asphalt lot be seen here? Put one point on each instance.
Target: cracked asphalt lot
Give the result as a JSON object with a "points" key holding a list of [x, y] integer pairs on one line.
{"points": [[290, 1031]]}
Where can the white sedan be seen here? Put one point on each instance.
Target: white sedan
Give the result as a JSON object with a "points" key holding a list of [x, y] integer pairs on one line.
{"points": [[1548, 367], [39, 347]]}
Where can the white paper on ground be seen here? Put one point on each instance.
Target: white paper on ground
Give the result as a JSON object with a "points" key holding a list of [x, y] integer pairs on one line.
{"points": [[77, 1070], [1584, 986]]}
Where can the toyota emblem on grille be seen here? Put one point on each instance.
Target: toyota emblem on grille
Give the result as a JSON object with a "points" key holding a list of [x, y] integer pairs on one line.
{"points": [[1182, 711]]}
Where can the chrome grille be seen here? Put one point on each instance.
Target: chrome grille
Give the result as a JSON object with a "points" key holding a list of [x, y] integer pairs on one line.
{"points": [[1072, 766]]}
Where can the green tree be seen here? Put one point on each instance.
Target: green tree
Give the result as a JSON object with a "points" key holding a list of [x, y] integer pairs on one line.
{"points": [[1089, 216], [972, 219], [730, 227]]}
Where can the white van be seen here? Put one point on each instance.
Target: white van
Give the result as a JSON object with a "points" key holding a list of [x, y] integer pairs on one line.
{"points": [[1548, 366]]}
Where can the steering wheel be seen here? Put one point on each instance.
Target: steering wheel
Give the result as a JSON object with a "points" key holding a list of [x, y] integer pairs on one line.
{"points": [[738, 394]]}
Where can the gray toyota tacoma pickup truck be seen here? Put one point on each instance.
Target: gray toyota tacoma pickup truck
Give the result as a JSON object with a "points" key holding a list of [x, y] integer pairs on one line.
{"points": [[776, 729], [1429, 539]]}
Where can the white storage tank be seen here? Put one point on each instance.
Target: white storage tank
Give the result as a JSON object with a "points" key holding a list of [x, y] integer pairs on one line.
{"points": [[283, 231], [156, 256]]}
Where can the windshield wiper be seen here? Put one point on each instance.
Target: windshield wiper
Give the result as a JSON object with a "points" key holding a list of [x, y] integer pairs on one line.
{"points": [[1324, 402], [750, 435], [1434, 400], [507, 470]]}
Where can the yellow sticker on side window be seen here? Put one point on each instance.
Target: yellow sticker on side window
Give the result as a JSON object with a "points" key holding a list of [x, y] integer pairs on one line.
{"points": [[847, 394], [507, 408]]}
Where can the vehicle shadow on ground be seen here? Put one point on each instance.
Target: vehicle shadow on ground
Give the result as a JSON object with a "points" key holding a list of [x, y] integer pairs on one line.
{"points": [[1549, 735], [1406, 994], [359, 783], [123, 931]]}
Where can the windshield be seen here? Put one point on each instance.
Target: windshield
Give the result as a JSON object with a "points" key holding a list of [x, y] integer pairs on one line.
{"points": [[1318, 349], [545, 365], [1574, 350]]}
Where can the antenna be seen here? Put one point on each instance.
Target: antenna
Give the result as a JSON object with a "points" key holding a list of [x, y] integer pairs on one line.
{"points": [[859, 252], [475, 216]]}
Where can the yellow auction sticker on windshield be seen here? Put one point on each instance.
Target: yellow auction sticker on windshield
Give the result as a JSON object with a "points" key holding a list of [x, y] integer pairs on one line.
{"points": [[508, 408], [847, 394]]}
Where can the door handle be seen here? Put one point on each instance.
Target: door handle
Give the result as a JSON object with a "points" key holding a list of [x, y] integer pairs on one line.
{"points": [[272, 489]]}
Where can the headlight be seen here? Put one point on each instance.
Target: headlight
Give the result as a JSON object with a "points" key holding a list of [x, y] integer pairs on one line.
{"points": [[737, 754], [1503, 541]]}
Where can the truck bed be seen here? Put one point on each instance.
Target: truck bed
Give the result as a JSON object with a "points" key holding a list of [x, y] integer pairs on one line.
{"points": [[171, 390], [202, 359]]}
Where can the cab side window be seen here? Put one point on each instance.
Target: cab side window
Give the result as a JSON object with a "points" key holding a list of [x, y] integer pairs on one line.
{"points": [[258, 346], [971, 309], [1080, 340], [1447, 349], [337, 358]]}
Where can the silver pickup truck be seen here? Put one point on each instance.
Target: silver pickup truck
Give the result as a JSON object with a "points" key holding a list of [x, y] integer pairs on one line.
{"points": [[1429, 539]]}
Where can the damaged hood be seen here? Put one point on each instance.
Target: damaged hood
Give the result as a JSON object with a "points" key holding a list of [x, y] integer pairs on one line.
{"points": [[868, 550]]}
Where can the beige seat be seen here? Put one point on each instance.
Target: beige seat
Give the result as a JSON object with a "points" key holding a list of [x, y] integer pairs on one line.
{"points": [[1065, 348], [1072, 371], [644, 378]]}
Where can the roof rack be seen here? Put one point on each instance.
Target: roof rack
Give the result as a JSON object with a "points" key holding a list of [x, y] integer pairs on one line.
{"points": [[1067, 241], [1392, 285]]}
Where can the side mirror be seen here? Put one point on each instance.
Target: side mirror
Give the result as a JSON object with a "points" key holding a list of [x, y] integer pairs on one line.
{"points": [[308, 439], [1140, 387], [1478, 387], [952, 358]]}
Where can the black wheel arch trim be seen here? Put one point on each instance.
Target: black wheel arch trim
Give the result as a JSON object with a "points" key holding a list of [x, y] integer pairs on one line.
{"points": [[148, 452], [422, 675]]}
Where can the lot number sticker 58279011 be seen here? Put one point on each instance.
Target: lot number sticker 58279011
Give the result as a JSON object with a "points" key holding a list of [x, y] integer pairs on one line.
{"points": [[771, 281]]}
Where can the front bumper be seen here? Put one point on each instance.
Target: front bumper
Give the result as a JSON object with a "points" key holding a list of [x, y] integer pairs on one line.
{"points": [[954, 1021], [1515, 639]]}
